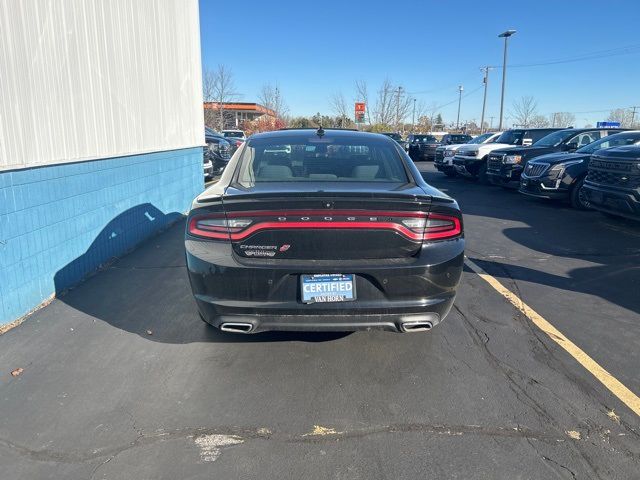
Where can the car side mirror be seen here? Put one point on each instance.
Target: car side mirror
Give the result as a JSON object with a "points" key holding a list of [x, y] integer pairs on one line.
{"points": [[570, 147]]}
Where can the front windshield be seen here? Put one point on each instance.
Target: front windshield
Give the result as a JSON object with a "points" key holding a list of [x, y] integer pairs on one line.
{"points": [[617, 140], [554, 139], [424, 138], [511, 137], [397, 137], [233, 134], [460, 138], [480, 139]]}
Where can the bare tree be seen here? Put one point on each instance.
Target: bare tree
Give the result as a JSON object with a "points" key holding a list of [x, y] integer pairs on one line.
{"points": [[622, 115], [538, 121], [362, 95], [338, 104], [217, 87], [524, 110], [563, 119], [383, 111], [271, 97], [208, 81], [339, 108]]}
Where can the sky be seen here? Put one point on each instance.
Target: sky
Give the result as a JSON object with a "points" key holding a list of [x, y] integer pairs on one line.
{"points": [[314, 49]]}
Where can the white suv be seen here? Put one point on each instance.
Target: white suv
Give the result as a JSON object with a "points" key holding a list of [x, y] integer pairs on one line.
{"points": [[444, 159]]}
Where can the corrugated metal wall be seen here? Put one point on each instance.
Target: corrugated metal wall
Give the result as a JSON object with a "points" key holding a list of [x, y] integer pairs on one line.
{"points": [[86, 79]]}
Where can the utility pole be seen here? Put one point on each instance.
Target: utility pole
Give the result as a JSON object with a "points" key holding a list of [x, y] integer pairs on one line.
{"points": [[484, 101], [398, 109], [633, 115], [553, 122], [460, 89], [413, 117], [506, 36]]}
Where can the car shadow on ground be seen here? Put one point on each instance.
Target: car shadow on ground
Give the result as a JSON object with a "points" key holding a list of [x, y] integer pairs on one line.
{"points": [[553, 229], [146, 291]]}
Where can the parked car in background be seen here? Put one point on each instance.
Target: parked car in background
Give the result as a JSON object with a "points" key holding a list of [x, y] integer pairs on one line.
{"points": [[445, 153], [397, 137], [560, 176], [613, 181], [422, 147], [239, 134], [505, 165], [216, 154], [472, 160], [341, 233]]}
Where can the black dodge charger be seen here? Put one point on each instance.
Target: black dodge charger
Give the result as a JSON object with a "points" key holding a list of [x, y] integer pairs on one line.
{"points": [[323, 230]]}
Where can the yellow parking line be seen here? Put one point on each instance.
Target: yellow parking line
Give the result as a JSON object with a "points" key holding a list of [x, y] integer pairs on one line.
{"points": [[616, 387]]}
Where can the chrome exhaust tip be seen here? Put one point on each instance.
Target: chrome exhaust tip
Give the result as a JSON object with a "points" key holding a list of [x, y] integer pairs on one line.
{"points": [[238, 327], [409, 327]]}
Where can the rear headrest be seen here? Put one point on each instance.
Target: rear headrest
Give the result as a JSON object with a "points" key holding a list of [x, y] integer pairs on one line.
{"points": [[323, 176], [274, 172], [367, 172]]}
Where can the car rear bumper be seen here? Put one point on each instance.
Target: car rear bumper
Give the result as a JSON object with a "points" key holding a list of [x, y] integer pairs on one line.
{"points": [[266, 294], [625, 203]]}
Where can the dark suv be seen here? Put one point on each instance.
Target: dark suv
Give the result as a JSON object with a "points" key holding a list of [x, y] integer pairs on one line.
{"points": [[561, 175], [472, 160], [613, 181], [506, 164], [422, 146], [397, 137]]}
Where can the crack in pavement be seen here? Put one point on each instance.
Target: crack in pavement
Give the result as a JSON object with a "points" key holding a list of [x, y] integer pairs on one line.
{"points": [[262, 433]]}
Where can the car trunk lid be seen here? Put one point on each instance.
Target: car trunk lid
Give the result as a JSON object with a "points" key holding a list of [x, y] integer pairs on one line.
{"points": [[332, 221]]}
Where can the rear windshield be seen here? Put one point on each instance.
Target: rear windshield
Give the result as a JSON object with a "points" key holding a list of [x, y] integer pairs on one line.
{"points": [[321, 159]]}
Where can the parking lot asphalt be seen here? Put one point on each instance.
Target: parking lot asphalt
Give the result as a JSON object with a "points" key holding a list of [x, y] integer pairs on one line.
{"points": [[122, 379]]}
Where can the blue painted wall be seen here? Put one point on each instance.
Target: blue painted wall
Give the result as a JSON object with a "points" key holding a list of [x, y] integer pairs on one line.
{"points": [[58, 223]]}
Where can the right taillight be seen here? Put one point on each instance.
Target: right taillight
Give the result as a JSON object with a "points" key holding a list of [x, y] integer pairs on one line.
{"points": [[440, 227]]}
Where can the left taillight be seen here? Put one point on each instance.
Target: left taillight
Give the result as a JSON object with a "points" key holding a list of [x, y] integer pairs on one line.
{"points": [[440, 227], [216, 227]]}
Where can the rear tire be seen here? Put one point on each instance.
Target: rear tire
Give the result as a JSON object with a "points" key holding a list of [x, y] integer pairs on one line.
{"points": [[577, 197]]}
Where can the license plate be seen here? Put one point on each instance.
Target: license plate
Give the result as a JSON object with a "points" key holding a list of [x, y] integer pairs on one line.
{"points": [[331, 287]]}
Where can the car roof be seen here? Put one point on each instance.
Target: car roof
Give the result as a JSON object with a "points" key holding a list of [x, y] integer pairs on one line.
{"points": [[304, 133]]}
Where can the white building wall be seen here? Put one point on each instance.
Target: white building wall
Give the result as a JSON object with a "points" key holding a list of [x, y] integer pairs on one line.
{"points": [[87, 79]]}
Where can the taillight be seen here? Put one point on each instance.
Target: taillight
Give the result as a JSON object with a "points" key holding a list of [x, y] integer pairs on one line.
{"points": [[216, 226], [439, 227], [237, 226]]}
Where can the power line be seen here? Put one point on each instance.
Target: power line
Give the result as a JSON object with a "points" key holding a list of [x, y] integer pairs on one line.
{"points": [[627, 50], [454, 101]]}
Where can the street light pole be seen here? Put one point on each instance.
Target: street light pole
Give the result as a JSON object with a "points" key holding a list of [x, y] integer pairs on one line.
{"points": [[398, 109], [460, 89], [506, 36], [484, 101], [413, 117]]}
